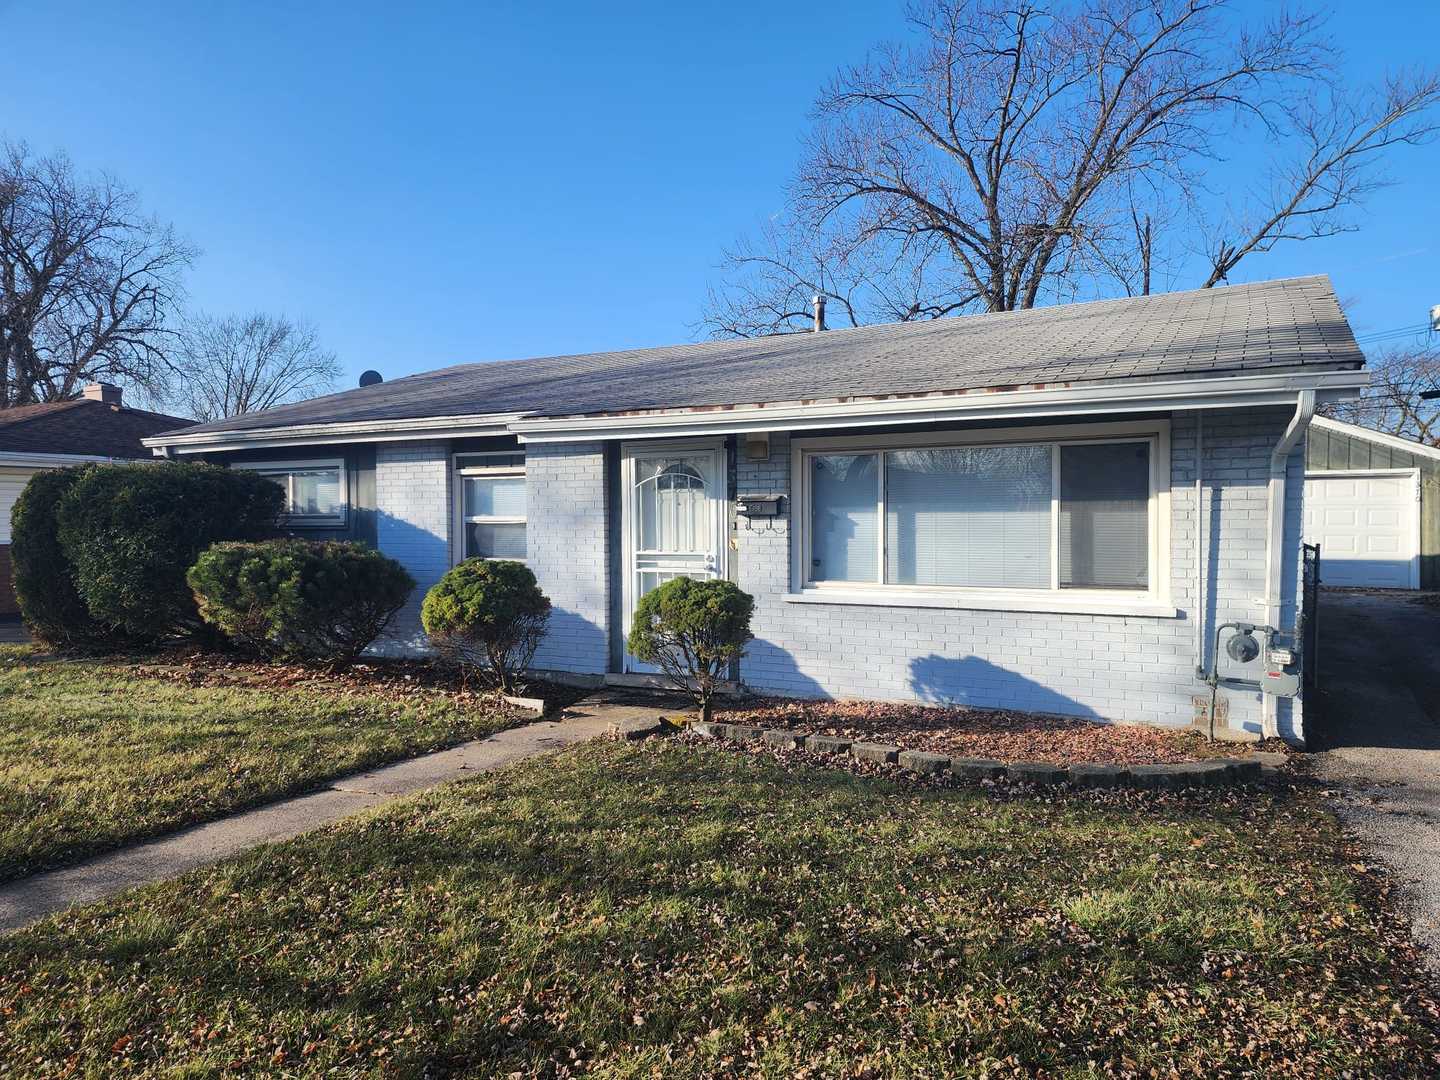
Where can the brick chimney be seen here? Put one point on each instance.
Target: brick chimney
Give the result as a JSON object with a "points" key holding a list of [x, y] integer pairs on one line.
{"points": [[105, 392]]}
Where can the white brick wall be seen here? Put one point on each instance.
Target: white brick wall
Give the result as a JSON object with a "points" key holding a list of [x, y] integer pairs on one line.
{"points": [[565, 492], [412, 500], [1114, 667]]}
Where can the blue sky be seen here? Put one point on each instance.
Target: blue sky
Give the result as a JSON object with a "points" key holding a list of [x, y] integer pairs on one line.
{"points": [[465, 182]]}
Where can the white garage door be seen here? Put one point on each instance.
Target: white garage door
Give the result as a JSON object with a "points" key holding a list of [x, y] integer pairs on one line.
{"points": [[12, 482], [1367, 525]]}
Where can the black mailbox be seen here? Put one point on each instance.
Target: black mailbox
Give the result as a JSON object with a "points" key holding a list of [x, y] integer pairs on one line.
{"points": [[758, 506]]}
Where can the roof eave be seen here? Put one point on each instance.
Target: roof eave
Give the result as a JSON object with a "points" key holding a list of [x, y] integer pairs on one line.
{"points": [[1074, 399], [189, 441]]}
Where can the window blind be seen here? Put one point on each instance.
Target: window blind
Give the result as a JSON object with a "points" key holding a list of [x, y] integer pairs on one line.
{"points": [[1104, 527], [844, 517], [973, 516]]}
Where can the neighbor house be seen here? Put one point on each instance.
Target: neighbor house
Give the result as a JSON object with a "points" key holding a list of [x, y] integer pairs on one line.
{"points": [[97, 426], [1048, 510]]}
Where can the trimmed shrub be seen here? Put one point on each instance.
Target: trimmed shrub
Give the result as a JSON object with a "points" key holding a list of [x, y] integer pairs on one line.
{"points": [[299, 599], [693, 630], [44, 576], [487, 613], [132, 532]]}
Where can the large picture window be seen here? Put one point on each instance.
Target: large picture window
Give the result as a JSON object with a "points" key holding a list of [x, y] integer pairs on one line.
{"points": [[314, 490], [1072, 513], [490, 506]]}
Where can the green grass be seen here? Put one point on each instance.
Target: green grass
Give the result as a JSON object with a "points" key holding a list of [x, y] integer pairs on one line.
{"points": [[92, 757], [664, 910]]}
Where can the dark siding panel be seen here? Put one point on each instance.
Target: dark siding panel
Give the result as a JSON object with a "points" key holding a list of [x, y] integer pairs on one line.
{"points": [[360, 480]]}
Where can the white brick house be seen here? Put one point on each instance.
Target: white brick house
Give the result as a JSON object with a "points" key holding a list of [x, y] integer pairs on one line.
{"points": [[1052, 510]]}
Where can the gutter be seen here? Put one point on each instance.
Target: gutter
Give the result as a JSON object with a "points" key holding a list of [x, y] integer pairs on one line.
{"points": [[1062, 399], [475, 425], [1275, 531], [25, 460]]}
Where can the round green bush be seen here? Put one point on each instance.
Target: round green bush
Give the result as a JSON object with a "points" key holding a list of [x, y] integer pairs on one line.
{"points": [[44, 577], [487, 613], [299, 599], [133, 531], [693, 630]]}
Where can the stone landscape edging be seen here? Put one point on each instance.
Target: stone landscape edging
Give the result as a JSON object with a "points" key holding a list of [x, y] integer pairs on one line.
{"points": [[1220, 772]]}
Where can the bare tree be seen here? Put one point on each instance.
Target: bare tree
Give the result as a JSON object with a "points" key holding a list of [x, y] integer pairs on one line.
{"points": [[1023, 151], [87, 284], [773, 283], [233, 365], [1339, 137], [1392, 402]]}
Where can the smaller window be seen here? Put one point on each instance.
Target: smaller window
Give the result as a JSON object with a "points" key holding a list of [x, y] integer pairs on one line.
{"points": [[1104, 528], [314, 490], [490, 506]]}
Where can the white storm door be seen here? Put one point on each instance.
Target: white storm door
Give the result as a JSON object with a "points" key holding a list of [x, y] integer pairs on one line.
{"points": [[673, 517], [1367, 525]]}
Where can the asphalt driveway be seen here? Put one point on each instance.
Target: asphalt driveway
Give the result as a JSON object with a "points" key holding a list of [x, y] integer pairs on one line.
{"points": [[1377, 723]]}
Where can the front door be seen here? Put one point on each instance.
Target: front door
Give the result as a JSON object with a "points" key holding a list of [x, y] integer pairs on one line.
{"points": [[673, 517]]}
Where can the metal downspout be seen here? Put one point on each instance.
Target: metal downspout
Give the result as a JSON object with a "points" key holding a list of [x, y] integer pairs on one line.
{"points": [[1275, 532], [1200, 538]]}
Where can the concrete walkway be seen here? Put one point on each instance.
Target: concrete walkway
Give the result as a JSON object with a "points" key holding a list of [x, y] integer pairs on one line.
{"points": [[23, 902], [1379, 727]]}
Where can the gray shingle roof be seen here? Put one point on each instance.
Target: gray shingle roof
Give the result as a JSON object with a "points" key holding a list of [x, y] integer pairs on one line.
{"points": [[1272, 325], [84, 427]]}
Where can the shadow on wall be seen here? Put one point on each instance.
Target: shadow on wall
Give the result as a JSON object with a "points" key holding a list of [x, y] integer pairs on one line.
{"points": [[969, 680], [769, 669], [574, 643]]}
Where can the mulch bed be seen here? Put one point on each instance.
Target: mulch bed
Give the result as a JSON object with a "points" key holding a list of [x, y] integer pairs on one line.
{"points": [[393, 680], [1000, 734]]}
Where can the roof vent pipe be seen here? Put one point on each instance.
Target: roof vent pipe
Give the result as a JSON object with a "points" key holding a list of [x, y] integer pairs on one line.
{"points": [[818, 303]]}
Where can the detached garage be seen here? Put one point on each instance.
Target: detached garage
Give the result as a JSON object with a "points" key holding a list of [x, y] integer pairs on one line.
{"points": [[1372, 503]]}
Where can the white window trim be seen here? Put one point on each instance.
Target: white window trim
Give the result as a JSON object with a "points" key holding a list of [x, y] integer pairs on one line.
{"points": [[307, 521], [1154, 602], [458, 474]]}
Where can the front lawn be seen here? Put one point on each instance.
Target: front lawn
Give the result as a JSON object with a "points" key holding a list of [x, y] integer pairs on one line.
{"points": [[95, 754], [666, 909]]}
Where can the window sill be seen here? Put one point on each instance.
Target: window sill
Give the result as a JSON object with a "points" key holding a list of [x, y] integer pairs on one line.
{"points": [[990, 600]]}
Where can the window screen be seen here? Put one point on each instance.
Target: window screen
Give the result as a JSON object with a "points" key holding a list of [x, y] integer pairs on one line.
{"points": [[1104, 528]]}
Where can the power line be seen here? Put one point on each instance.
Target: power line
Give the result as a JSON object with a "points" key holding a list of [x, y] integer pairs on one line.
{"points": [[1390, 335]]}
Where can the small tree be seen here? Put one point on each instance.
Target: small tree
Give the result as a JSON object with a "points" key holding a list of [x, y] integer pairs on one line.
{"points": [[304, 599], [488, 613], [693, 631]]}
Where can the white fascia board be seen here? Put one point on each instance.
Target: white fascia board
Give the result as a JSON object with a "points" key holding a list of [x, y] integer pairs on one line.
{"points": [[1157, 396], [1395, 442], [23, 460], [447, 427]]}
